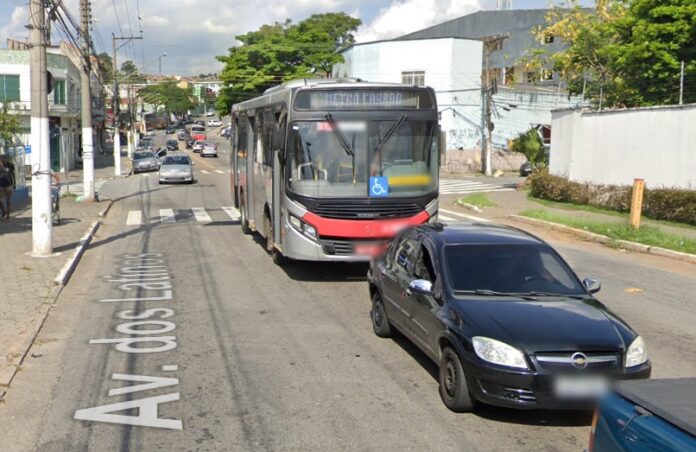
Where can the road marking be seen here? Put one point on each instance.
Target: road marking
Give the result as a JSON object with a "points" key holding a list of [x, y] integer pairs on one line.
{"points": [[135, 218], [167, 216], [219, 171], [144, 174], [445, 218], [205, 171], [201, 215], [170, 367], [232, 213], [462, 215]]}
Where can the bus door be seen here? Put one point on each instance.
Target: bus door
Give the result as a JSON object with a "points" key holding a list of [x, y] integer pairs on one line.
{"points": [[252, 176], [278, 176]]}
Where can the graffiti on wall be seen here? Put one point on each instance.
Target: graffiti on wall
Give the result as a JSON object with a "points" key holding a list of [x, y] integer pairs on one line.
{"points": [[463, 138]]}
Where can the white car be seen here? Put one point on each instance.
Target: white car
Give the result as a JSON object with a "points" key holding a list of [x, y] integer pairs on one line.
{"points": [[209, 150], [211, 113], [198, 146], [214, 123]]}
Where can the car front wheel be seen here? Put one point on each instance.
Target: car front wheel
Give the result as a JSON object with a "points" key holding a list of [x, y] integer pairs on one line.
{"points": [[453, 388], [380, 322]]}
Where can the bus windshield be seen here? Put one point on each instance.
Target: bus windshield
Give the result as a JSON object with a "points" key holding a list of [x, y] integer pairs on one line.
{"points": [[343, 159]]}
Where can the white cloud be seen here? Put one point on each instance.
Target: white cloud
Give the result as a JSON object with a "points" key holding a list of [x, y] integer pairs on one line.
{"points": [[405, 16], [14, 28]]}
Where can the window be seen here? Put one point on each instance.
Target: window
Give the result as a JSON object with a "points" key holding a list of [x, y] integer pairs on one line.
{"points": [[547, 74], [405, 253], [416, 78], [59, 92], [531, 77], [9, 88], [548, 39], [509, 75], [424, 267]]}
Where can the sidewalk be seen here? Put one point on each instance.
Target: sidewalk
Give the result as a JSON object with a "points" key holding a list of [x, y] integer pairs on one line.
{"points": [[28, 286]]}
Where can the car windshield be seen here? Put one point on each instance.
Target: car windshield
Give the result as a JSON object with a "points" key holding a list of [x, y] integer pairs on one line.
{"points": [[171, 142], [350, 158], [509, 268], [143, 155], [176, 160]]}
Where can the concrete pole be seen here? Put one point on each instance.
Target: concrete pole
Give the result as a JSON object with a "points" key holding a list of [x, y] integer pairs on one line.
{"points": [[116, 101], [42, 209], [130, 122], [87, 139], [681, 85]]}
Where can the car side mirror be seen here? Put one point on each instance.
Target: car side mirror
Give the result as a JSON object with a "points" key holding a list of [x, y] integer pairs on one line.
{"points": [[421, 286], [592, 285]]}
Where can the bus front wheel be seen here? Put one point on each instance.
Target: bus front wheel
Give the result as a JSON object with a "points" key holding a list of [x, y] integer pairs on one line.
{"points": [[243, 218]]}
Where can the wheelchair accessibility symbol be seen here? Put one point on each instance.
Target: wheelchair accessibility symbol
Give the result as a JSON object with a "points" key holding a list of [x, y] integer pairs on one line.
{"points": [[379, 186]]}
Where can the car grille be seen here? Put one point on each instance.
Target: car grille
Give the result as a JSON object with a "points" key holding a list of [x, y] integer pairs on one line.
{"points": [[596, 361], [366, 211]]}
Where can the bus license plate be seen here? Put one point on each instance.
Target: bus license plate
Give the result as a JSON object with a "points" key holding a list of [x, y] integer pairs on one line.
{"points": [[367, 249]]}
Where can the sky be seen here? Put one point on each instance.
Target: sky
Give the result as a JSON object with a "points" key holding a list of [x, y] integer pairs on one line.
{"points": [[193, 32]]}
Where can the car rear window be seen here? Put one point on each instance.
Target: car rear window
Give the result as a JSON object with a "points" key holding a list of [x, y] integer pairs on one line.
{"points": [[509, 268]]}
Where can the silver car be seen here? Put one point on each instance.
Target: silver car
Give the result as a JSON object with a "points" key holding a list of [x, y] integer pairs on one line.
{"points": [[176, 168], [144, 161], [209, 150]]}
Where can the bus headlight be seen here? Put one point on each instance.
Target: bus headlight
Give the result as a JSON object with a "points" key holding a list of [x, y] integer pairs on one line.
{"points": [[310, 231], [302, 227]]}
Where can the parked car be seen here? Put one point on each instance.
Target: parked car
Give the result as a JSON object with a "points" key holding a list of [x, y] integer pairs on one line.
{"points": [[170, 130], [144, 161], [176, 168], [525, 169], [172, 145], [214, 123], [504, 316], [209, 149], [646, 415], [160, 155], [198, 146]]}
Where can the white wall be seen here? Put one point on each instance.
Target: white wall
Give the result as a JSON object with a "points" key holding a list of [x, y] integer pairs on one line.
{"points": [[452, 68], [614, 147]]}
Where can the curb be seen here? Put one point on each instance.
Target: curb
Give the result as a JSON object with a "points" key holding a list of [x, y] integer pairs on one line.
{"points": [[9, 370], [603, 239]]}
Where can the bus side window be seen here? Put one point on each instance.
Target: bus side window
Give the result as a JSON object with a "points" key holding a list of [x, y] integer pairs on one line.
{"points": [[242, 138]]}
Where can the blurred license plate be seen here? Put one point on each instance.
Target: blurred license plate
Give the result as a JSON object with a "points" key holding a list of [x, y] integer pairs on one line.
{"points": [[371, 249], [574, 387]]}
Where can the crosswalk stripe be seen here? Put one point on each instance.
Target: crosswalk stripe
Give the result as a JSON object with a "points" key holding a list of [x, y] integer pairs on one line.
{"points": [[201, 215], [167, 216], [445, 218], [135, 218], [232, 213], [205, 171], [219, 171], [454, 191], [463, 215]]}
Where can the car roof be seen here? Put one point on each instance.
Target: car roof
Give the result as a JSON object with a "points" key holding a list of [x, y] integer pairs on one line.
{"points": [[469, 233]]}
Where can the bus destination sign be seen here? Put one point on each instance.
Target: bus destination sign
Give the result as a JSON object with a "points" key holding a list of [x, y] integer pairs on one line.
{"points": [[357, 100]]}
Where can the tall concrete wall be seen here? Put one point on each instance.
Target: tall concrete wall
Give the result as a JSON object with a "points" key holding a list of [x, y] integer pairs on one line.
{"points": [[614, 147]]}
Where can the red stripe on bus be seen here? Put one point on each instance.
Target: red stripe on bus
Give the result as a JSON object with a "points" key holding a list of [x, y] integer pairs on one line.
{"points": [[361, 229]]}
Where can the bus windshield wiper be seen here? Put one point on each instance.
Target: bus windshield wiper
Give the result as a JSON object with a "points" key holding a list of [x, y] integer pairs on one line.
{"points": [[386, 138], [339, 135]]}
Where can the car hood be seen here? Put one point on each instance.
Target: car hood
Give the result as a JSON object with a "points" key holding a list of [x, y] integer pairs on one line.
{"points": [[548, 324], [167, 168]]}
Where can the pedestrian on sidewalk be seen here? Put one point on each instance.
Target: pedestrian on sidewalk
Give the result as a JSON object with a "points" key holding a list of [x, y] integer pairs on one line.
{"points": [[7, 186]]}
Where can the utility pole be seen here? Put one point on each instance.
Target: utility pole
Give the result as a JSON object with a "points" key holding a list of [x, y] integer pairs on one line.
{"points": [[87, 139], [41, 207], [681, 85], [117, 99], [489, 45]]}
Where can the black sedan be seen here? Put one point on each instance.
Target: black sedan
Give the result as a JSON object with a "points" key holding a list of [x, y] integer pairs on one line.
{"points": [[504, 316], [172, 145]]}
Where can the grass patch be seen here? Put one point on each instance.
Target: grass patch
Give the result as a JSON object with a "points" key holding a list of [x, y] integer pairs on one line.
{"points": [[477, 199], [620, 231], [599, 210]]}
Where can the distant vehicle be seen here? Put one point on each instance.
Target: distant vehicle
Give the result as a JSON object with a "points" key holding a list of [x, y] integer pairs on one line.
{"points": [[198, 146], [225, 131], [181, 136], [152, 121], [197, 132], [209, 150], [525, 169], [189, 142], [144, 161], [150, 133], [200, 122], [504, 316], [176, 168], [210, 113], [172, 145], [646, 415], [214, 123], [170, 130]]}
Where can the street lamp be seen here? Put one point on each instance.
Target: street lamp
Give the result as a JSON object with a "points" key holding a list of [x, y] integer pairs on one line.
{"points": [[160, 61]]}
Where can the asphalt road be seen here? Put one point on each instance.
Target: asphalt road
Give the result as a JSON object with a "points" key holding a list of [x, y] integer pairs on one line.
{"points": [[250, 356]]}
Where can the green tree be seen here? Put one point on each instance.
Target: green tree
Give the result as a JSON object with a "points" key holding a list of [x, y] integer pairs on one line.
{"points": [[531, 145], [283, 51], [130, 74], [167, 94], [624, 53], [9, 128], [106, 67]]}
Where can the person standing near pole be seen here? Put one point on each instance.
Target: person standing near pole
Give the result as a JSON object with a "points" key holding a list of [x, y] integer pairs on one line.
{"points": [[8, 184]]}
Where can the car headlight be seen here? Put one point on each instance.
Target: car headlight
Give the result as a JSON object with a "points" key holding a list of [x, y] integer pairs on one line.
{"points": [[497, 352], [636, 354]]}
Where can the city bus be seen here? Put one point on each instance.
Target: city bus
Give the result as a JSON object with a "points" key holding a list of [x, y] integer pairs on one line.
{"points": [[197, 132], [330, 170]]}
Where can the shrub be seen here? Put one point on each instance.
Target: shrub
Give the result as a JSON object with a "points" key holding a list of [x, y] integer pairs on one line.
{"points": [[659, 204]]}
